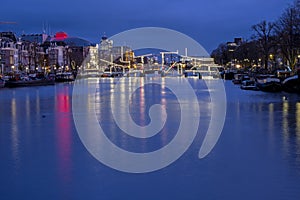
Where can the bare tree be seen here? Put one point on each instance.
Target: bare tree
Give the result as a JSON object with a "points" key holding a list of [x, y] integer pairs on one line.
{"points": [[247, 53], [264, 32], [220, 54], [288, 35]]}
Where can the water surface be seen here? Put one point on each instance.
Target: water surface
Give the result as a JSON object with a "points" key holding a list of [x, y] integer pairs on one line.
{"points": [[42, 157]]}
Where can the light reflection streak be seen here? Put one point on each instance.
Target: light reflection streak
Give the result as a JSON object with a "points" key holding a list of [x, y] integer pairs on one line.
{"points": [[298, 130], [285, 126], [63, 127], [138, 106], [38, 106], [27, 107], [163, 102], [142, 102], [271, 117], [15, 135]]}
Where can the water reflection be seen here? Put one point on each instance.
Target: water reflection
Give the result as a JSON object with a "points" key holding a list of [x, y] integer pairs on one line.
{"points": [[290, 122], [298, 132], [271, 118], [298, 120], [285, 126], [63, 128], [15, 134], [260, 144], [138, 105]]}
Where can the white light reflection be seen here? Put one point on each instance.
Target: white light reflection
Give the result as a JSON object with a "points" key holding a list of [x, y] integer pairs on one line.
{"points": [[271, 117], [38, 107], [298, 130], [285, 125], [15, 135], [27, 106]]}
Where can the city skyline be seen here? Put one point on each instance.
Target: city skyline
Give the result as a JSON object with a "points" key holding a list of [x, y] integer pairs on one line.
{"points": [[208, 22]]}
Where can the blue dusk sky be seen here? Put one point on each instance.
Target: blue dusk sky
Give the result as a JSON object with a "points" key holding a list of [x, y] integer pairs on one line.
{"points": [[209, 22]]}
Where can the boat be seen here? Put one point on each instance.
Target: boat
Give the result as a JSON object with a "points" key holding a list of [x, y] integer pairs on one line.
{"points": [[249, 85], [29, 82], [291, 84], [239, 78], [64, 77], [269, 83]]}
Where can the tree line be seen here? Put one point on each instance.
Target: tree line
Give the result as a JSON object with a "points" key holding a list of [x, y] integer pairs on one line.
{"points": [[273, 44]]}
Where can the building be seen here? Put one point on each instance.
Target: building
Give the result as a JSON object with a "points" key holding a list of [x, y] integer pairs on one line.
{"points": [[41, 52], [109, 54], [66, 53], [9, 52], [35, 38]]}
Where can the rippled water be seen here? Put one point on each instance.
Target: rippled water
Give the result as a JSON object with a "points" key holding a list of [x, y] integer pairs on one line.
{"points": [[42, 157]]}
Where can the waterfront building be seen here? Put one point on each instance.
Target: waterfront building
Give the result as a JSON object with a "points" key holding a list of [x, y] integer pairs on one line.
{"points": [[23, 56], [66, 53], [9, 53], [41, 52], [9, 35], [93, 57]]}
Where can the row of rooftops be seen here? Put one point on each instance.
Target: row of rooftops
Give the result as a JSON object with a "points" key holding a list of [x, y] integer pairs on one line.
{"points": [[60, 37]]}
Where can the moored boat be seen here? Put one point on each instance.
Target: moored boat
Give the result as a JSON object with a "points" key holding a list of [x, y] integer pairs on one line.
{"points": [[249, 85], [269, 84], [64, 77], [26, 83], [291, 84], [239, 78]]}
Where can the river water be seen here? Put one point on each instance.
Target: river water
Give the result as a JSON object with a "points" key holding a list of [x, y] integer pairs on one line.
{"points": [[42, 156]]}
